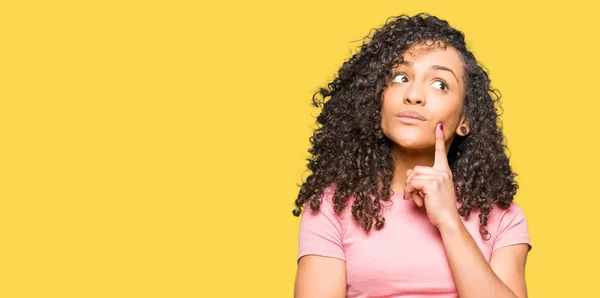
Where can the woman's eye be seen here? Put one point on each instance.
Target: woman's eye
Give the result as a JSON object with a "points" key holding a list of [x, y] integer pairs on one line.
{"points": [[400, 78], [440, 85]]}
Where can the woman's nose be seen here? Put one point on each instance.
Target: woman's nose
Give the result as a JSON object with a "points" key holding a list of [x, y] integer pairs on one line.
{"points": [[414, 96]]}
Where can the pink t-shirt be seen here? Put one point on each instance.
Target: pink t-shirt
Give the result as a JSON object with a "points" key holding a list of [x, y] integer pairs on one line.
{"points": [[406, 257]]}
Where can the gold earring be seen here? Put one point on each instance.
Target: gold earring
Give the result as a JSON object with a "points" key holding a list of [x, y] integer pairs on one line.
{"points": [[464, 130]]}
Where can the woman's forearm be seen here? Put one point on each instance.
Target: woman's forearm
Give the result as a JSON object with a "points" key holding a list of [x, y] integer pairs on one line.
{"points": [[472, 274]]}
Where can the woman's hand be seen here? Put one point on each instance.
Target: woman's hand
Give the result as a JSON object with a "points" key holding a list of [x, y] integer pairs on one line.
{"points": [[433, 187]]}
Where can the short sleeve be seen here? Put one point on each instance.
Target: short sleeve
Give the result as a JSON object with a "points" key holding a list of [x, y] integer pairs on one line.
{"points": [[512, 228], [321, 232]]}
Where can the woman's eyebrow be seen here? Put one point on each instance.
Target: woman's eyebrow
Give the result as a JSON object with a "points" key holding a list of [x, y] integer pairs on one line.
{"points": [[440, 67], [407, 63], [435, 67]]}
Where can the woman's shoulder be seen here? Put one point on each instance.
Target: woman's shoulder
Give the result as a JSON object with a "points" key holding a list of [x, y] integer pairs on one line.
{"points": [[327, 201], [509, 225], [498, 211], [513, 210], [499, 218]]}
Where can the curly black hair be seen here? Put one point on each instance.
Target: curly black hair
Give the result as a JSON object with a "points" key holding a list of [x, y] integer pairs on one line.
{"points": [[350, 151]]}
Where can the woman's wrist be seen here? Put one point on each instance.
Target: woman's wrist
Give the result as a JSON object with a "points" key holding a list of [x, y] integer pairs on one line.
{"points": [[452, 225]]}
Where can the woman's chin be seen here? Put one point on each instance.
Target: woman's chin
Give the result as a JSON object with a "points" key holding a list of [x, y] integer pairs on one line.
{"points": [[410, 138], [411, 143]]}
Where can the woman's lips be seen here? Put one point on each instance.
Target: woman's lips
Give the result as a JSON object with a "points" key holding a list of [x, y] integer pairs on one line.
{"points": [[410, 117]]}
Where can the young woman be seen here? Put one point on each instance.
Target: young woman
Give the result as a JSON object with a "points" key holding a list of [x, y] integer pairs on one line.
{"points": [[409, 144]]}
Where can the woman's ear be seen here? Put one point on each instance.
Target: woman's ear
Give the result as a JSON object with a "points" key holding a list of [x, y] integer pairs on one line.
{"points": [[463, 128]]}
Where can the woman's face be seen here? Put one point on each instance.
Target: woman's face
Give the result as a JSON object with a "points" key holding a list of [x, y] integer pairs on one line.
{"points": [[427, 88]]}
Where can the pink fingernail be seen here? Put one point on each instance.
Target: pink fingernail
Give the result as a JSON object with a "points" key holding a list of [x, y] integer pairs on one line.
{"points": [[442, 127]]}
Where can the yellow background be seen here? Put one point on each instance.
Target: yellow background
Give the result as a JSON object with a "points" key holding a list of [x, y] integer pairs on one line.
{"points": [[152, 148]]}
